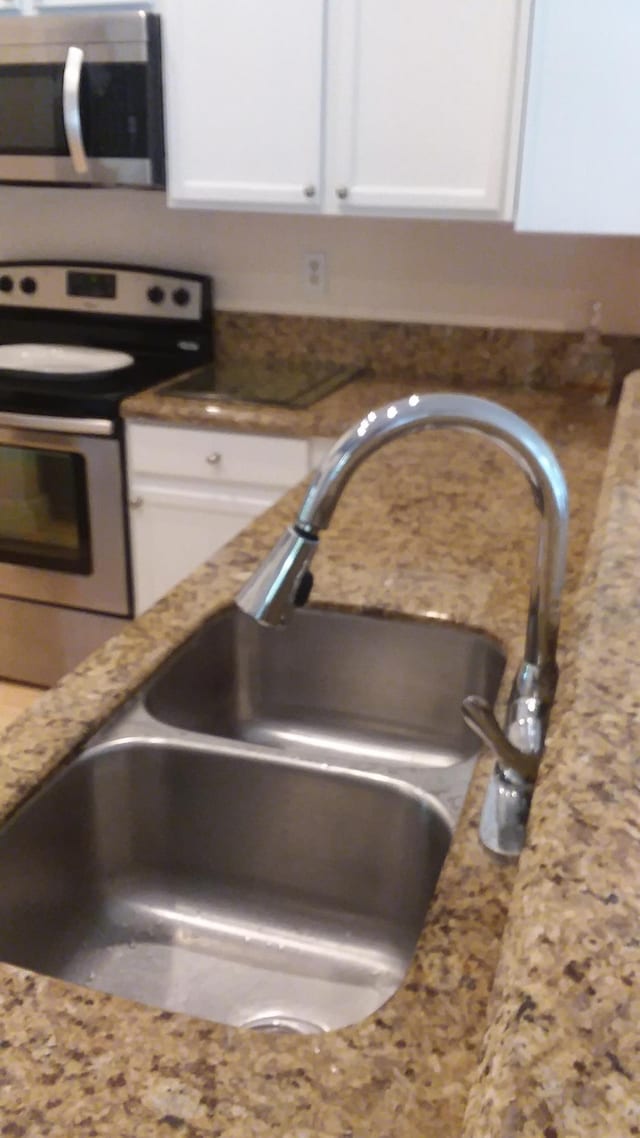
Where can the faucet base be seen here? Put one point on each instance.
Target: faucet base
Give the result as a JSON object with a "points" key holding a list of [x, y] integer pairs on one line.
{"points": [[505, 810]]}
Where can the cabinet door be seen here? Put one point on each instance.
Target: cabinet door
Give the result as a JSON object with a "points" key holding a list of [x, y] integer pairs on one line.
{"points": [[243, 83], [581, 156], [173, 531], [424, 107], [60, 5]]}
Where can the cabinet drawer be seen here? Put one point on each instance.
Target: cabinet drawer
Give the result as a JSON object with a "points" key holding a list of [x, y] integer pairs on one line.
{"points": [[216, 455]]}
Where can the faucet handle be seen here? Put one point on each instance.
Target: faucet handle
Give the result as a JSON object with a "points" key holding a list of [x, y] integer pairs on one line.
{"points": [[505, 811], [478, 715]]}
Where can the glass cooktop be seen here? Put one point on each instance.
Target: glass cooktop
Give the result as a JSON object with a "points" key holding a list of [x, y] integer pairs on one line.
{"points": [[284, 383]]}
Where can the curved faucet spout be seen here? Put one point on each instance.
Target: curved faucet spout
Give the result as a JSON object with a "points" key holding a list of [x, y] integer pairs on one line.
{"points": [[283, 579], [512, 434]]}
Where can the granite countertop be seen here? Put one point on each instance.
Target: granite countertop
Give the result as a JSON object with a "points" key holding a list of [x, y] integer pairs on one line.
{"points": [[325, 419], [449, 531], [562, 1054]]}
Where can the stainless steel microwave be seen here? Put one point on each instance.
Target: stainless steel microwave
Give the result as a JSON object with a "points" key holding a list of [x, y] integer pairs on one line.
{"points": [[81, 99]]}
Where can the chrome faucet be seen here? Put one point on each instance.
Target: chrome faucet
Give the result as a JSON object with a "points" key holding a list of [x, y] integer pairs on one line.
{"points": [[283, 580]]}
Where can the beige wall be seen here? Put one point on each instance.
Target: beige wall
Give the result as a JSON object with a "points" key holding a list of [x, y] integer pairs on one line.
{"points": [[451, 272]]}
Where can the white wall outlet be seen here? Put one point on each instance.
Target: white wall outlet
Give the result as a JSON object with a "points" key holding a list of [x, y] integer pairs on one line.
{"points": [[314, 273]]}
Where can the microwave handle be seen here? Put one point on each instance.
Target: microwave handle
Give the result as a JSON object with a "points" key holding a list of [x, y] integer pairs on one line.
{"points": [[71, 109]]}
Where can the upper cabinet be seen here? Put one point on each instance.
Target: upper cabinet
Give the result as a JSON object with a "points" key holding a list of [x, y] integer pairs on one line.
{"points": [[244, 93], [581, 156], [62, 5], [424, 105], [32, 7], [345, 106]]}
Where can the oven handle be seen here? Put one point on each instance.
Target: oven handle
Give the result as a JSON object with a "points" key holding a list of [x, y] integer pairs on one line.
{"points": [[59, 423], [71, 109]]}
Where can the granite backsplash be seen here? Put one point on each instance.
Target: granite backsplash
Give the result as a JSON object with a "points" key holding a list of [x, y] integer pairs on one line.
{"points": [[455, 355]]}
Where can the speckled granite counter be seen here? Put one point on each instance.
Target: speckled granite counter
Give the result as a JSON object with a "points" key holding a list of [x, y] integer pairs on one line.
{"points": [[450, 530], [266, 351], [562, 1054], [325, 419]]}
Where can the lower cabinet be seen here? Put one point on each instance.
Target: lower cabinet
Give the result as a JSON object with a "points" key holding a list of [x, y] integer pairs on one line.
{"points": [[191, 490]]}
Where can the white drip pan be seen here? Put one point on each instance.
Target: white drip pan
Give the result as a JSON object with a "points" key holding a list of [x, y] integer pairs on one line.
{"points": [[61, 359]]}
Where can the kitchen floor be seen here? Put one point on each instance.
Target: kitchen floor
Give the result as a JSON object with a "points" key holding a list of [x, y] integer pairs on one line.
{"points": [[15, 698]]}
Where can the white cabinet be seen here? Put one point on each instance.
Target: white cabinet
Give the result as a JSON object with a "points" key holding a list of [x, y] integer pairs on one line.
{"points": [[31, 7], [191, 490], [424, 105], [581, 157], [243, 89], [345, 106], [60, 5], [175, 530]]}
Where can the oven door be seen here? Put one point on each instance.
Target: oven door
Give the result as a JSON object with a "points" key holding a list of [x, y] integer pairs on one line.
{"points": [[62, 520]]}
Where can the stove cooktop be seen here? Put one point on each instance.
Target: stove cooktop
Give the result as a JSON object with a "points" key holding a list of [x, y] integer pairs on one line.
{"points": [[51, 311], [97, 395], [292, 383]]}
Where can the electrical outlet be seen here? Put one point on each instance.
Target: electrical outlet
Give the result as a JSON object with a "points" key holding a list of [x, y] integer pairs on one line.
{"points": [[314, 273]]}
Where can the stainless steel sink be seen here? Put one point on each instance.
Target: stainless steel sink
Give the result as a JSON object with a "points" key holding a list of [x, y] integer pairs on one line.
{"points": [[242, 887], [333, 684], [256, 836]]}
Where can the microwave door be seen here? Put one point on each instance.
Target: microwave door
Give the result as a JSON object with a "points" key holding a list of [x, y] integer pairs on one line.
{"points": [[31, 125], [81, 121], [41, 137]]}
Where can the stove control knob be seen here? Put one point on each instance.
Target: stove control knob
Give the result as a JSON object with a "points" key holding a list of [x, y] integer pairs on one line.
{"points": [[155, 294], [28, 285], [181, 296], [6, 283]]}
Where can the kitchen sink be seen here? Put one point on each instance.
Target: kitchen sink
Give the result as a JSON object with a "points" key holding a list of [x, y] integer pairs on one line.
{"points": [[331, 684], [247, 888], [255, 837]]}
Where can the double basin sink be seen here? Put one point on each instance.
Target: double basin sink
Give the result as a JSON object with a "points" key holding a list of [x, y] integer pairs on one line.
{"points": [[255, 837]]}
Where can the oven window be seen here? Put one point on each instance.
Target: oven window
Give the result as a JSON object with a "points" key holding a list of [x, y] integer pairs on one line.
{"points": [[44, 518]]}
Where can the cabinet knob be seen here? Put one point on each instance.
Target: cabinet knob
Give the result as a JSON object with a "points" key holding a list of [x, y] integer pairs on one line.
{"points": [[309, 191], [214, 458], [136, 503], [342, 192]]}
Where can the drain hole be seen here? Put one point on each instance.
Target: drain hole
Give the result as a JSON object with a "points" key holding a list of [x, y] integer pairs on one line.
{"points": [[278, 1023]]}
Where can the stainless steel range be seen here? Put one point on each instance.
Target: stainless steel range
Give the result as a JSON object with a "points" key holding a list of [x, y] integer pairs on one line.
{"points": [[76, 339]]}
